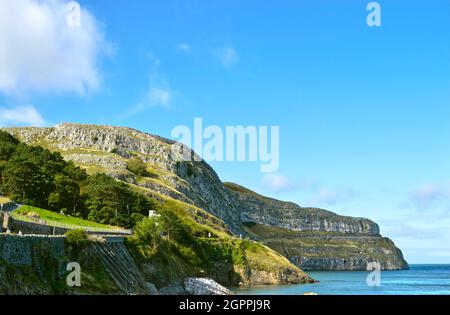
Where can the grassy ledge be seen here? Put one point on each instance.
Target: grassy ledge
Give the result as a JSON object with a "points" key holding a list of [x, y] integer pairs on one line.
{"points": [[34, 214]]}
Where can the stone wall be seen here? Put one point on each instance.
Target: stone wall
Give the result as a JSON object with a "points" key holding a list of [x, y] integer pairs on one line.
{"points": [[27, 250], [16, 226]]}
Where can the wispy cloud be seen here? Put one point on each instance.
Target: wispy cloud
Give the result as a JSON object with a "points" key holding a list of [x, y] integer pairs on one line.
{"points": [[184, 47], [427, 196], [22, 115], [158, 93], [278, 183], [228, 57], [40, 52], [423, 238], [318, 193], [328, 196]]}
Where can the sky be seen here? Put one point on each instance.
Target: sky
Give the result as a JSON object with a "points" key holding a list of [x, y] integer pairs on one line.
{"points": [[363, 112]]}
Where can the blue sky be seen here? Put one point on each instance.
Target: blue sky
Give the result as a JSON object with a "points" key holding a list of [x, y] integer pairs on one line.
{"points": [[364, 113]]}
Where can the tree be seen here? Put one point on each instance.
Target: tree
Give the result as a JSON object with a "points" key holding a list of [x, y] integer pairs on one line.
{"points": [[8, 145], [65, 195], [112, 202], [148, 231], [173, 226], [25, 183], [137, 166]]}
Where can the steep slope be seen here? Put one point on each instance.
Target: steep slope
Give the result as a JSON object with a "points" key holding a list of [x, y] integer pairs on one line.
{"points": [[197, 187], [316, 239]]}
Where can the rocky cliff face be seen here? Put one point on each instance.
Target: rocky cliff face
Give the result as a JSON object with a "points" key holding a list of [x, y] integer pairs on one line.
{"points": [[107, 149], [287, 215]]}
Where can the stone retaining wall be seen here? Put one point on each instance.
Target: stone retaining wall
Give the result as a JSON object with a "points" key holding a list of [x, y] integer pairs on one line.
{"points": [[25, 250], [16, 226]]}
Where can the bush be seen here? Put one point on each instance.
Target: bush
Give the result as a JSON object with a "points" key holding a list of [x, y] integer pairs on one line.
{"points": [[137, 166], [77, 238], [147, 233]]}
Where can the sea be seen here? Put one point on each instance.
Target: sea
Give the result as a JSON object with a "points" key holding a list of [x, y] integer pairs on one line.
{"points": [[418, 280]]}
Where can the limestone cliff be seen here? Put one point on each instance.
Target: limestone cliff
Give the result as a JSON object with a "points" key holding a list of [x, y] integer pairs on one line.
{"points": [[107, 149]]}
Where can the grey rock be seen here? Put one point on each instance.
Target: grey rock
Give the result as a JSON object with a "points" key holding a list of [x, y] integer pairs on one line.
{"points": [[203, 286]]}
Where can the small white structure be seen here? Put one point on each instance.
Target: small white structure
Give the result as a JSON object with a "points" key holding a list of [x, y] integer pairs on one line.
{"points": [[153, 213]]}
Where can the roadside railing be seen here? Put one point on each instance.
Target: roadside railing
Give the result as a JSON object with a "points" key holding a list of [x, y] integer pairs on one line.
{"points": [[9, 206], [24, 218]]}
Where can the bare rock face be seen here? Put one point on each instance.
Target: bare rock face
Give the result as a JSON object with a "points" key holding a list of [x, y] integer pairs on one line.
{"points": [[339, 253], [195, 286], [202, 286], [108, 149], [288, 215]]}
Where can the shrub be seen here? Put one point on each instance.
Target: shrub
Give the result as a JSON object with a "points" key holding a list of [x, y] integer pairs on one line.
{"points": [[137, 166], [77, 238], [147, 233]]}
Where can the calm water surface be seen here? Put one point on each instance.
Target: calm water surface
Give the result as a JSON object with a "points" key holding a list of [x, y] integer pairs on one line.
{"points": [[420, 279]]}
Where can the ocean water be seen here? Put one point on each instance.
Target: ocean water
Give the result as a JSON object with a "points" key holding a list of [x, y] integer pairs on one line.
{"points": [[419, 280]]}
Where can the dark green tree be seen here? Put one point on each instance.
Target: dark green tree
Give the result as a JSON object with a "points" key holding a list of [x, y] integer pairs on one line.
{"points": [[25, 183], [137, 166], [112, 202], [66, 194]]}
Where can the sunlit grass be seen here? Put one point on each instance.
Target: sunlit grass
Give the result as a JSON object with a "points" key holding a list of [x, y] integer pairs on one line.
{"points": [[4, 199], [34, 214]]}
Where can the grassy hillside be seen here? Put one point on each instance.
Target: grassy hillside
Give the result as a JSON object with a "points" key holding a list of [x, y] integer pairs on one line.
{"points": [[51, 217], [202, 250], [184, 241]]}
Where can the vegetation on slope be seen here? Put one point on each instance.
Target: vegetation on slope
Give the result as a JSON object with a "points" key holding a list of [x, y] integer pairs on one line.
{"points": [[35, 176], [263, 232], [51, 217], [184, 241], [172, 247]]}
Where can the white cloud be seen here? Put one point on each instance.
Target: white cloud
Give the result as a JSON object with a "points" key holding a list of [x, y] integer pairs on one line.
{"points": [[429, 196], [227, 56], [184, 47], [158, 93], [328, 196], [158, 96], [23, 115], [40, 52], [278, 182]]}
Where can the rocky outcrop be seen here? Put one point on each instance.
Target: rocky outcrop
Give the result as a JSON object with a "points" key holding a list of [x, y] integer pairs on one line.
{"points": [[202, 286], [262, 210], [107, 149], [339, 253], [195, 286]]}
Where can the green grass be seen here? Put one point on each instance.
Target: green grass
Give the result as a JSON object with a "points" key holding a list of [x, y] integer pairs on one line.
{"points": [[264, 232], [54, 217]]}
